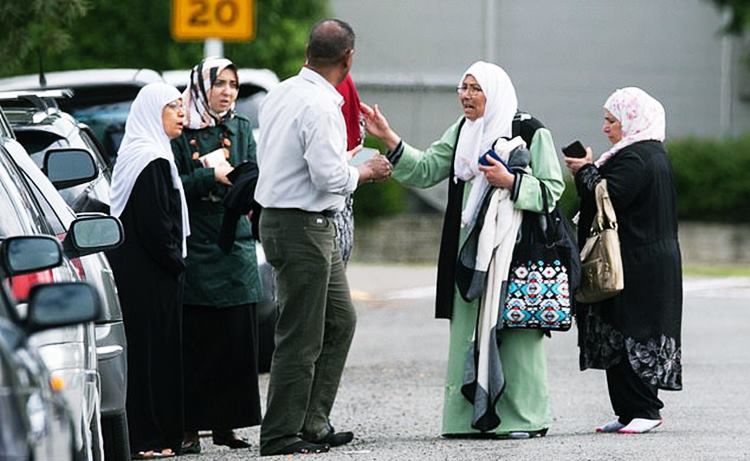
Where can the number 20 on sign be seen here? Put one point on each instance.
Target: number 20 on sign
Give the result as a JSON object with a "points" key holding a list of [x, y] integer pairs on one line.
{"points": [[222, 19]]}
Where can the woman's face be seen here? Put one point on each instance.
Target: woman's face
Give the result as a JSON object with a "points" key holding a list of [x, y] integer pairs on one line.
{"points": [[472, 98], [171, 118], [612, 127], [224, 91]]}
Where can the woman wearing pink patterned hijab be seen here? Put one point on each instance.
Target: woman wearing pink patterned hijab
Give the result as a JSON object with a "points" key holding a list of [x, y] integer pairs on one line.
{"points": [[640, 116], [636, 335]]}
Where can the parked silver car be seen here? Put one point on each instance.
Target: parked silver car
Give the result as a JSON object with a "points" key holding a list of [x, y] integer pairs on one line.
{"points": [[41, 127], [35, 422], [70, 353]]}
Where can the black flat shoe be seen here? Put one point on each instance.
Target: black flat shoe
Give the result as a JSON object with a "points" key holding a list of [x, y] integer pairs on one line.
{"points": [[192, 447], [302, 447], [229, 439], [336, 439]]}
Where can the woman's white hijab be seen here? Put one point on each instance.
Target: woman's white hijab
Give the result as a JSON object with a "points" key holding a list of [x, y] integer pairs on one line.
{"points": [[145, 141], [641, 119], [478, 136], [195, 97]]}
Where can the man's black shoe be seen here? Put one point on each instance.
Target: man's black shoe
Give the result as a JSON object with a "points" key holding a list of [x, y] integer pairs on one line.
{"points": [[336, 439], [302, 447]]}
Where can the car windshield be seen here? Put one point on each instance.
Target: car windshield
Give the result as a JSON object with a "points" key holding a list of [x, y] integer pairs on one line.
{"points": [[101, 117]]}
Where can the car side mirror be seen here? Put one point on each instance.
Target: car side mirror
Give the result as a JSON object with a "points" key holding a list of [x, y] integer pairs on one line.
{"points": [[92, 233], [31, 253], [69, 167], [61, 304]]}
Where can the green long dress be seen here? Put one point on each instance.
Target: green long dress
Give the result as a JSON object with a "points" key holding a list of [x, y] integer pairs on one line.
{"points": [[524, 406]]}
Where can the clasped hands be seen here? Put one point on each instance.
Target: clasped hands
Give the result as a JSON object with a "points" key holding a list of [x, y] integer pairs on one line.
{"points": [[377, 169]]}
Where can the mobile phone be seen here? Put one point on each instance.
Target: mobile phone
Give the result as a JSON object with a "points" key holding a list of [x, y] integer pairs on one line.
{"points": [[575, 150], [365, 154]]}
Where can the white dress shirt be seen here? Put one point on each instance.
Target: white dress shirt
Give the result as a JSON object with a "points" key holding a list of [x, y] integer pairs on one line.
{"points": [[302, 146]]}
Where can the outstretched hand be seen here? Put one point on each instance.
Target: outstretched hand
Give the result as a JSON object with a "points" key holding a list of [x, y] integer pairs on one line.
{"points": [[377, 125]]}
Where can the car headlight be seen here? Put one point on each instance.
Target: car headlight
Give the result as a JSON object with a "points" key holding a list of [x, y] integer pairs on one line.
{"points": [[63, 356]]}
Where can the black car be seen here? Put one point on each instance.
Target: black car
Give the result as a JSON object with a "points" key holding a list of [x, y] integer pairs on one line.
{"points": [[35, 422]]}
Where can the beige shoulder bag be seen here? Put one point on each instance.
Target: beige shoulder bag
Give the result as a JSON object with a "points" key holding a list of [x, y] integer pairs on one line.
{"points": [[602, 275]]}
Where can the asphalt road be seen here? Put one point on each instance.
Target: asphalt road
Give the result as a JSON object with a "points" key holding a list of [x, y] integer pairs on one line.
{"points": [[391, 392]]}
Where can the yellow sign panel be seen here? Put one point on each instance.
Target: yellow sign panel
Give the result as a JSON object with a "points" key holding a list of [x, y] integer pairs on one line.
{"points": [[222, 19]]}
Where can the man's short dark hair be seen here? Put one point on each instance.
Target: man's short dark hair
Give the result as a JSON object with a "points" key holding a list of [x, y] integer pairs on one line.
{"points": [[329, 41]]}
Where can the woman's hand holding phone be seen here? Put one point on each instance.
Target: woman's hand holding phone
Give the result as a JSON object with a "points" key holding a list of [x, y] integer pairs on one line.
{"points": [[576, 156]]}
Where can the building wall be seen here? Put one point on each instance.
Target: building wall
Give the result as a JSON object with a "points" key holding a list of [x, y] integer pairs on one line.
{"points": [[565, 58]]}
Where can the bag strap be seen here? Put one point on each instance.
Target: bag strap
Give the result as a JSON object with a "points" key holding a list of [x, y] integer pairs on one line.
{"points": [[549, 231], [605, 211]]}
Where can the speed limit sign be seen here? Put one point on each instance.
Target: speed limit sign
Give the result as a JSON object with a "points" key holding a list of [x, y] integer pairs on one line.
{"points": [[222, 19]]}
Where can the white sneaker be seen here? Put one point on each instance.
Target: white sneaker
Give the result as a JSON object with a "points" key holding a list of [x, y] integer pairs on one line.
{"points": [[612, 426], [640, 426]]}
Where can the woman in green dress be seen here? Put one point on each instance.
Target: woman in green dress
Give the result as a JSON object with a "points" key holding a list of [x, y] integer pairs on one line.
{"points": [[488, 98], [221, 290]]}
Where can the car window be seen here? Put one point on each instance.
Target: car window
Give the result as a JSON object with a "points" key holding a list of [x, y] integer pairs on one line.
{"points": [[49, 213], [93, 147], [248, 106], [18, 211], [36, 143]]}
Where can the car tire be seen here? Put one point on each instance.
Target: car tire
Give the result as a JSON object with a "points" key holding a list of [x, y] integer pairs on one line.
{"points": [[116, 437]]}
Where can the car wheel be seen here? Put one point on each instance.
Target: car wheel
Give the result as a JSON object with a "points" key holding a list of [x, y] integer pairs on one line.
{"points": [[116, 437]]}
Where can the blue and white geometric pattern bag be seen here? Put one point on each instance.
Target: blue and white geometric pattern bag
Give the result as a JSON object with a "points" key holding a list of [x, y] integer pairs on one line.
{"points": [[543, 273]]}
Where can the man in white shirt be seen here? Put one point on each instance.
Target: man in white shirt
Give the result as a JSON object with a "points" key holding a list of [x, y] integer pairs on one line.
{"points": [[304, 177]]}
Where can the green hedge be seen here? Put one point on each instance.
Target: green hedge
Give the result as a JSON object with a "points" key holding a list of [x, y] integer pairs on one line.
{"points": [[372, 201], [712, 178]]}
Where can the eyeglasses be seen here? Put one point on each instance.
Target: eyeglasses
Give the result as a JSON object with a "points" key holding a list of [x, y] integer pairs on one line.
{"points": [[471, 90], [175, 106]]}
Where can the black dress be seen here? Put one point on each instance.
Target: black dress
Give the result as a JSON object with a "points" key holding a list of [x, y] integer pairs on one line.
{"points": [[640, 327], [148, 270]]}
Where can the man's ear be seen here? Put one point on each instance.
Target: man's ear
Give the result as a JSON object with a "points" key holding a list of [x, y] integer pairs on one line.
{"points": [[348, 59]]}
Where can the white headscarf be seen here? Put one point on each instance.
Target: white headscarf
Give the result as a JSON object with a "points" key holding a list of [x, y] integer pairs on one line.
{"points": [[477, 136], [145, 141], [641, 119], [195, 97]]}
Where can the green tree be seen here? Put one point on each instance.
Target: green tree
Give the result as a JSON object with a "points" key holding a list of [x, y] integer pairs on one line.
{"points": [[739, 11], [35, 25], [136, 33]]}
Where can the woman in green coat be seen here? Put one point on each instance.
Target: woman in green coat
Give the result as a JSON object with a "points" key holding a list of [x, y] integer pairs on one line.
{"points": [[490, 106], [221, 290]]}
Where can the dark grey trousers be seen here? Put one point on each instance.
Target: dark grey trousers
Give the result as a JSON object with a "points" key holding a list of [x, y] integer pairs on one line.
{"points": [[315, 326]]}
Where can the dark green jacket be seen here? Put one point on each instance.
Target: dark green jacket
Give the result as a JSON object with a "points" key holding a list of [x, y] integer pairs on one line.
{"points": [[213, 278]]}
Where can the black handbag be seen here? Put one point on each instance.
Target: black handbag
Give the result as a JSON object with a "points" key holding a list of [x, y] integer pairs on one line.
{"points": [[544, 272]]}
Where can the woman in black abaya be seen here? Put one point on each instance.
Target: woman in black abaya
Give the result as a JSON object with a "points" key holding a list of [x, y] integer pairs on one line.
{"points": [[148, 198]]}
